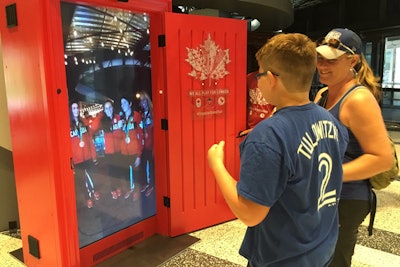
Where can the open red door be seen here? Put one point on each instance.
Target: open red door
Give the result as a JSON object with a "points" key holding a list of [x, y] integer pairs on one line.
{"points": [[206, 103]]}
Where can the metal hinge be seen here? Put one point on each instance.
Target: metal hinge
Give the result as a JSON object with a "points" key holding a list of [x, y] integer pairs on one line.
{"points": [[161, 40], [164, 124], [167, 202], [11, 14]]}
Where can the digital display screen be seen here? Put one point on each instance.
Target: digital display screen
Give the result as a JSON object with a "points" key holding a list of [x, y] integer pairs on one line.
{"points": [[108, 70]]}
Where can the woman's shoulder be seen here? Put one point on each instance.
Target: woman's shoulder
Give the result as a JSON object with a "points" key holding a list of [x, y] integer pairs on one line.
{"points": [[360, 95], [359, 106]]}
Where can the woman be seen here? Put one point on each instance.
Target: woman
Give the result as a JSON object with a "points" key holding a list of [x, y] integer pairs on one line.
{"points": [[131, 146], [352, 95], [147, 159], [110, 129], [83, 157]]}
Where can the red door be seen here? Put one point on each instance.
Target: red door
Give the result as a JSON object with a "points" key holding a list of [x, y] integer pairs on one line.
{"points": [[206, 103]]}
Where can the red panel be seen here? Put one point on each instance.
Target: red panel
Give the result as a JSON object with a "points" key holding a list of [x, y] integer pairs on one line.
{"points": [[31, 85], [196, 118], [39, 118], [160, 136]]}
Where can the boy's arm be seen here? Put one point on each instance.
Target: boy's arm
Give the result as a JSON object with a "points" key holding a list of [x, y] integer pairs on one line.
{"points": [[250, 213]]}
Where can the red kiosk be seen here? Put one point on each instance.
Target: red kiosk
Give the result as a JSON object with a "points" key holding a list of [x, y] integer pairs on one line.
{"points": [[79, 210]]}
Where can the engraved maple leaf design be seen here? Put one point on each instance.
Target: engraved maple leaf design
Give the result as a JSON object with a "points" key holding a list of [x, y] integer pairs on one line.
{"points": [[208, 61]]}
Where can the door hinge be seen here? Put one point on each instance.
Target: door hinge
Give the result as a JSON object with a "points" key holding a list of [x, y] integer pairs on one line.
{"points": [[167, 202], [161, 40], [11, 14], [164, 124]]}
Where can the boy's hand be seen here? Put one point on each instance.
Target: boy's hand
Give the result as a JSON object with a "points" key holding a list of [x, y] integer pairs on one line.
{"points": [[216, 154]]}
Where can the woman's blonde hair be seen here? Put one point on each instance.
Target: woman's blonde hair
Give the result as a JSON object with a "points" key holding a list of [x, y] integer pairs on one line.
{"points": [[366, 77]]}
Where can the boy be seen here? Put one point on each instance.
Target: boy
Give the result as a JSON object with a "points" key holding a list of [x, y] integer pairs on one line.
{"points": [[291, 165]]}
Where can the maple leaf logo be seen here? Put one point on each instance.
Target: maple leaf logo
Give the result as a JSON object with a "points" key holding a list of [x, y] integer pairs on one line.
{"points": [[208, 61]]}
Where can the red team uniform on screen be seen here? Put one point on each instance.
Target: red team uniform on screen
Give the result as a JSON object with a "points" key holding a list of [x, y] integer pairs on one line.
{"points": [[113, 136], [82, 144], [132, 141]]}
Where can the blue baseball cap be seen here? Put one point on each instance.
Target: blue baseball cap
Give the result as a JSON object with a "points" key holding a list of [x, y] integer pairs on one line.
{"points": [[338, 42]]}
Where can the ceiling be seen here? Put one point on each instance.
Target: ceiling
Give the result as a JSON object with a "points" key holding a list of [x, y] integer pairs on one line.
{"points": [[273, 15], [86, 28], [299, 4]]}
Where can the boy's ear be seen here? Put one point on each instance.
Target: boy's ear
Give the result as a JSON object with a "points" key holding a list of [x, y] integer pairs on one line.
{"points": [[272, 79]]}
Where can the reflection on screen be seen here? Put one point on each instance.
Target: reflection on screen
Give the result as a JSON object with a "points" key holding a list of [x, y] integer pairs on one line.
{"points": [[107, 63]]}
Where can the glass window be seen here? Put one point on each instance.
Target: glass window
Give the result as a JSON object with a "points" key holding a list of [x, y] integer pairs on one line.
{"points": [[391, 72], [391, 67]]}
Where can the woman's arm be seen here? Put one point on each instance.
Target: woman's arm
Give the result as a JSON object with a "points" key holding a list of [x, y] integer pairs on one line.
{"points": [[361, 113]]}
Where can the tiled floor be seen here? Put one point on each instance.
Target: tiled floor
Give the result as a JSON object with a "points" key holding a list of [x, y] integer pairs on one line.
{"points": [[8, 244], [218, 245]]}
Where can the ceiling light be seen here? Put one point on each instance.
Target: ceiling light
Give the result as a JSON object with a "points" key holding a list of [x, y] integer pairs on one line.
{"points": [[253, 24]]}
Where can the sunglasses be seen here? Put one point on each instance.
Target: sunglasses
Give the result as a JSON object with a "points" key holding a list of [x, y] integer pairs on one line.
{"points": [[335, 43], [259, 75]]}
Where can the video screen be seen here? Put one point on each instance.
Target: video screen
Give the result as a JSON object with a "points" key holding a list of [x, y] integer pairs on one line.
{"points": [[108, 70]]}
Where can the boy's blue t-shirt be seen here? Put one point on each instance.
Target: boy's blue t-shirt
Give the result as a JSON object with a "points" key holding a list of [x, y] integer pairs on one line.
{"points": [[292, 163]]}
